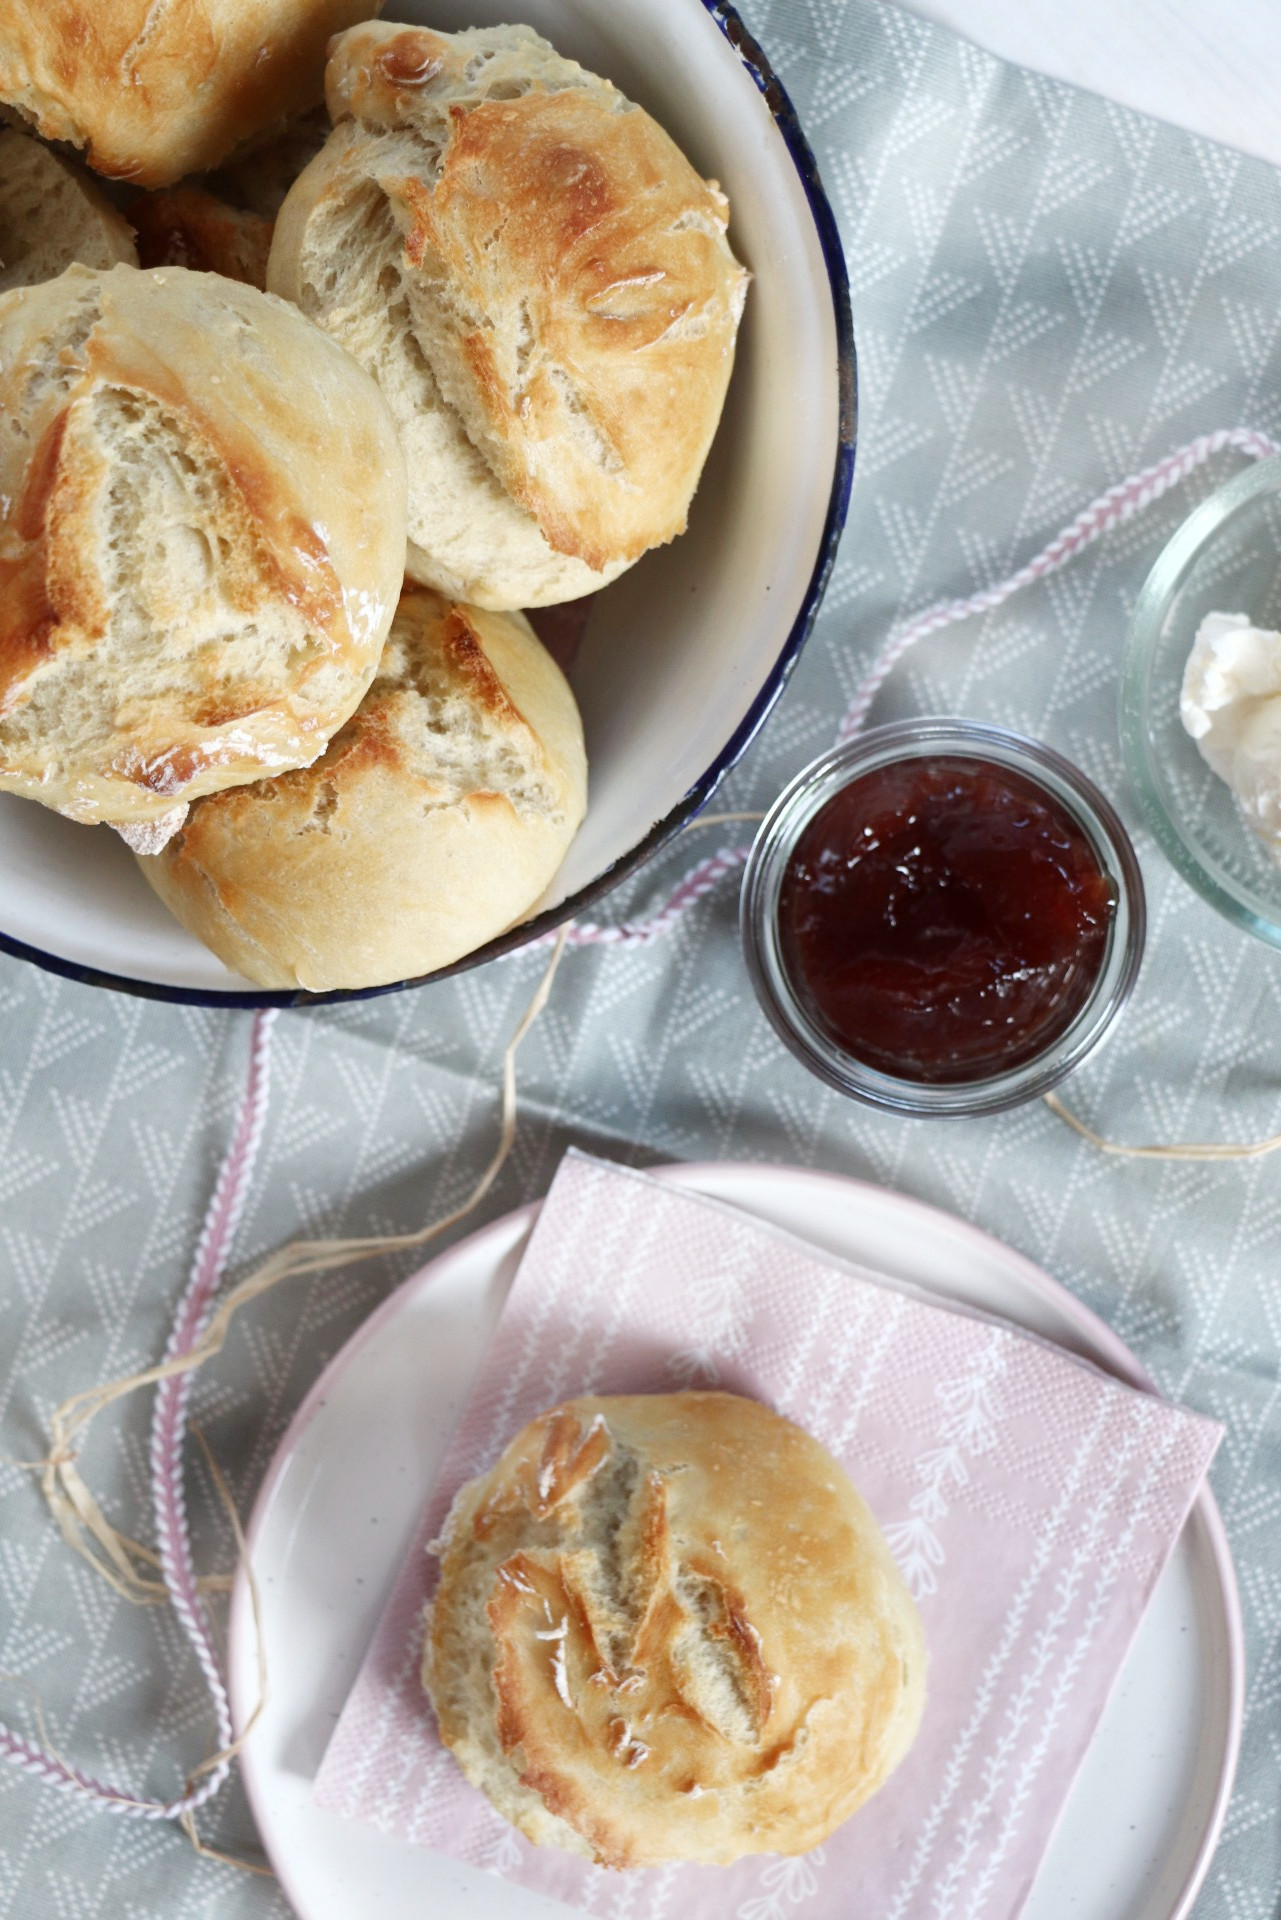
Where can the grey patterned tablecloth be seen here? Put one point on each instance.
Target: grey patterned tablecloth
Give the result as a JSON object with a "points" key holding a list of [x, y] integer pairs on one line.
{"points": [[1049, 292]]}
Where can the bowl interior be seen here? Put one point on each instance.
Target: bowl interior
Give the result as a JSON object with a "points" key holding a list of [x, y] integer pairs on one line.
{"points": [[1225, 558], [682, 655]]}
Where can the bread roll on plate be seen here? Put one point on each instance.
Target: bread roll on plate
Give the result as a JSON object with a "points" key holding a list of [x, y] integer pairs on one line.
{"points": [[154, 89], [668, 1628], [202, 526], [542, 286], [51, 215], [433, 821]]}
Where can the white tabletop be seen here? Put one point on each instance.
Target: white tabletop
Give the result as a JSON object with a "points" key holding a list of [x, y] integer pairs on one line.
{"points": [[1212, 66]]}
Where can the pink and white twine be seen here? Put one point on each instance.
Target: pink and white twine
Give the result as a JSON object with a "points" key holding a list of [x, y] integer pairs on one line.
{"points": [[169, 1416], [168, 1498], [1111, 509]]}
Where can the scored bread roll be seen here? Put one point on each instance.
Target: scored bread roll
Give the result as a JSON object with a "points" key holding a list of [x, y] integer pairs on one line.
{"points": [[52, 214], [542, 286], [668, 1628], [202, 532], [154, 89], [435, 818]]}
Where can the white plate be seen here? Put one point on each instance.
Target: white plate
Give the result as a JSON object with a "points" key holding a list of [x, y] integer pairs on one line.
{"points": [[685, 654], [349, 1481]]}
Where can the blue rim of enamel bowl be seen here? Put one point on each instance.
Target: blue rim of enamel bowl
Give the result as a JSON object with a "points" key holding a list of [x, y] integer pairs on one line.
{"points": [[785, 119]]}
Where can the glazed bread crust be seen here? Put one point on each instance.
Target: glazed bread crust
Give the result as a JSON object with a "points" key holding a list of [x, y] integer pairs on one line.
{"points": [[51, 215], [154, 89], [194, 590], [435, 818], [517, 251], [668, 1628]]}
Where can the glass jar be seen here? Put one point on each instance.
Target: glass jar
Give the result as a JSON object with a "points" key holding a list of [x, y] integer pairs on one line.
{"points": [[782, 994], [1226, 557]]}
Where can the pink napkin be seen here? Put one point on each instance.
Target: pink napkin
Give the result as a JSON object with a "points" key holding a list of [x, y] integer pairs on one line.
{"points": [[1030, 1500]]}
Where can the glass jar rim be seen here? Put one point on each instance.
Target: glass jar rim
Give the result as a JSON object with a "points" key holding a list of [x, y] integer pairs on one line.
{"points": [[937, 738]]}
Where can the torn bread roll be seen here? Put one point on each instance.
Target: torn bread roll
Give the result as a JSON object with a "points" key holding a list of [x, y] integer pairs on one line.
{"points": [[543, 288], [668, 1628], [434, 819], [202, 524], [52, 215], [154, 89]]}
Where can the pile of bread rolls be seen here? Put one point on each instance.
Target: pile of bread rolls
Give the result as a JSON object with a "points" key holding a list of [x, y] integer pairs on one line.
{"points": [[300, 410]]}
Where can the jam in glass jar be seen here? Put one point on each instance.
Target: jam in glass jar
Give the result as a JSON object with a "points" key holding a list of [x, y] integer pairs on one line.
{"points": [[942, 917]]}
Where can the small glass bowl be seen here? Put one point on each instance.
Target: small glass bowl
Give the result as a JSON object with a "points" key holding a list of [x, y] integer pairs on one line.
{"points": [[776, 841], [1226, 557]]}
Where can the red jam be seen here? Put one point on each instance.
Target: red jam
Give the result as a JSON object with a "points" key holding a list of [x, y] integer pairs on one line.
{"points": [[944, 920]]}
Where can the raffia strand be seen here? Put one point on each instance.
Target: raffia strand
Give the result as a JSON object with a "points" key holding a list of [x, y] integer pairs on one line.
{"points": [[132, 1569], [1225, 1150], [79, 1517]]}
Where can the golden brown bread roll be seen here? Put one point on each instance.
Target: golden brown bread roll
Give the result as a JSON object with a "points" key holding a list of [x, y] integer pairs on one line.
{"points": [[201, 539], [668, 1628], [541, 284], [154, 89], [435, 818], [51, 215]]}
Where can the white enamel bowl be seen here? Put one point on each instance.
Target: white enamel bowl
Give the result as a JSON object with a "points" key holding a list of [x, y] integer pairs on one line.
{"points": [[683, 657]]}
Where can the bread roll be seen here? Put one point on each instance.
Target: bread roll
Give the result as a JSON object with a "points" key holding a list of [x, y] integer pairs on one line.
{"points": [[52, 214], [668, 1628], [434, 819], [191, 227], [541, 284], [154, 89], [201, 539]]}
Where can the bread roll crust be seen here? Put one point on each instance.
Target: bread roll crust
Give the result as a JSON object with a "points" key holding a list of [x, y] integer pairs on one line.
{"points": [[335, 248], [562, 275], [154, 89], [434, 819], [194, 591], [191, 227], [668, 1628]]}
